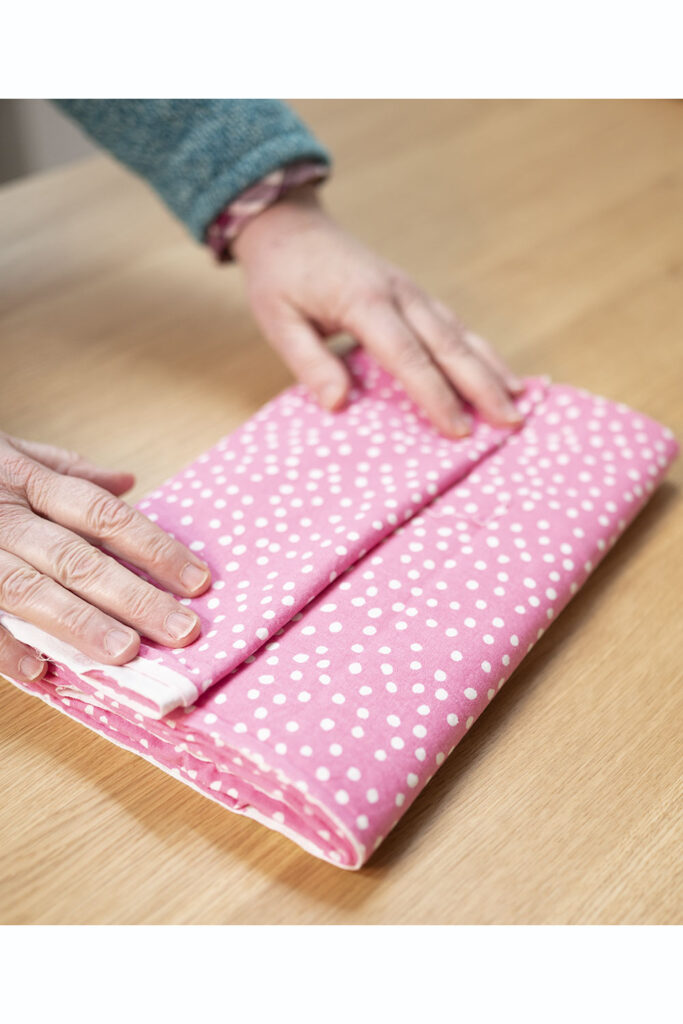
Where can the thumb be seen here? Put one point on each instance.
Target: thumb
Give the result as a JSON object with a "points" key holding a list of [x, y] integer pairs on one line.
{"points": [[305, 353], [72, 464]]}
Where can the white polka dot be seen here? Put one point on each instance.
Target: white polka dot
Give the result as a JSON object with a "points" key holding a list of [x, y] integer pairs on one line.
{"points": [[302, 496]]}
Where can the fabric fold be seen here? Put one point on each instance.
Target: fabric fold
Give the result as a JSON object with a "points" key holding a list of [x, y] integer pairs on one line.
{"points": [[329, 727], [279, 510]]}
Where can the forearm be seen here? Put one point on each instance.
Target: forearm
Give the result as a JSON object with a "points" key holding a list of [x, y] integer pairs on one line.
{"points": [[199, 155]]}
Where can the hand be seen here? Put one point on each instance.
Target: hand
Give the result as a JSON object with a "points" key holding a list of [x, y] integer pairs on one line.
{"points": [[307, 279], [54, 508]]}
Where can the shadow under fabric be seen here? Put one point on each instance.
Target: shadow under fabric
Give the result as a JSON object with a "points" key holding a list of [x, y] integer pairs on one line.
{"points": [[375, 584]]}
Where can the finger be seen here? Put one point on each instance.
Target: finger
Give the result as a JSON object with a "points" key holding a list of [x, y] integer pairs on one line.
{"points": [[489, 355], [19, 661], [306, 355], [87, 509], [98, 579], [72, 464], [25, 592], [474, 379], [385, 333]]}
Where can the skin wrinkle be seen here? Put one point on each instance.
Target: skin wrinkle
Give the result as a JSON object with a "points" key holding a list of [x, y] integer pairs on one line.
{"points": [[76, 590]]}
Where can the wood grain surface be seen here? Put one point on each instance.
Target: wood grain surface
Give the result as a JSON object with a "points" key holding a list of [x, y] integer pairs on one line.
{"points": [[556, 229]]}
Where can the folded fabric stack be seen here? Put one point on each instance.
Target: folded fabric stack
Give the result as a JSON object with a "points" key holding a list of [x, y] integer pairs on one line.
{"points": [[375, 584]]}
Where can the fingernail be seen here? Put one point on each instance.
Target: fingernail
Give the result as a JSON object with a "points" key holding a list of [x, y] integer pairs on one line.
{"points": [[192, 577], [180, 624], [516, 384], [117, 641], [31, 667], [463, 424]]}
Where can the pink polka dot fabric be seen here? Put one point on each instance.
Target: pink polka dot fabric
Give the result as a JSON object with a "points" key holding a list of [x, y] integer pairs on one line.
{"points": [[374, 586]]}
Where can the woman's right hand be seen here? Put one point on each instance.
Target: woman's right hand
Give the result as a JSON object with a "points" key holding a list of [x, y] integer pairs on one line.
{"points": [[59, 515]]}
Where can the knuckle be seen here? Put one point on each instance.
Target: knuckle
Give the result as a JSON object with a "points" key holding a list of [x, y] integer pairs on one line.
{"points": [[367, 303], [106, 515], [39, 484], [13, 523], [77, 564], [78, 618], [451, 342], [142, 604], [411, 355], [376, 296], [160, 552], [18, 585], [17, 471], [407, 292], [68, 461]]}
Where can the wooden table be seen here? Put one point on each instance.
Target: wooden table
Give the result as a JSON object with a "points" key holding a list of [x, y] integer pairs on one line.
{"points": [[555, 228]]}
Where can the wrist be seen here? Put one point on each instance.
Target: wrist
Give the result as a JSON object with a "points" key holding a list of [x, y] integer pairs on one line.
{"points": [[298, 209]]}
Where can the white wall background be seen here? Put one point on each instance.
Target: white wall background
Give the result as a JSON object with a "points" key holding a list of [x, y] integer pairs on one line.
{"points": [[35, 136]]}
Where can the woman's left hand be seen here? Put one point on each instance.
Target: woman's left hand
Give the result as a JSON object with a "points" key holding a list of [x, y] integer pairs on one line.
{"points": [[307, 279]]}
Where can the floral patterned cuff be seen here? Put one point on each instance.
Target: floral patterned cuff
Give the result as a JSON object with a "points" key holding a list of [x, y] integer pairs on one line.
{"points": [[227, 225]]}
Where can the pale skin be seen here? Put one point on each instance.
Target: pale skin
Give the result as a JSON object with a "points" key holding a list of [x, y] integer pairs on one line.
{"points": [[62, 517]]}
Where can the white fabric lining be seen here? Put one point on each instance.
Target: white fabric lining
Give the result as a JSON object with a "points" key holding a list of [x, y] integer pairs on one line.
{"points": [[156, 682]]}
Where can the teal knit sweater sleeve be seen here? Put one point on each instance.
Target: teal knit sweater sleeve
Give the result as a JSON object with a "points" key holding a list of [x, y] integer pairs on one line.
{"points": [[198, 155]]}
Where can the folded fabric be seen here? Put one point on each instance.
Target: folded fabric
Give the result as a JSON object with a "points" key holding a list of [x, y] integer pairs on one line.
{"points": [[374, 586]]}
